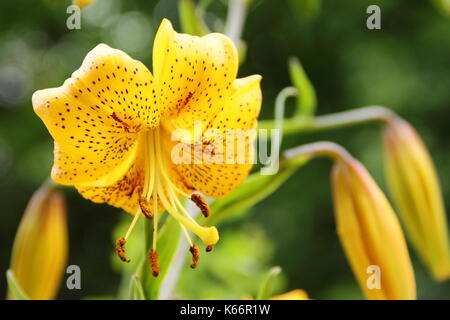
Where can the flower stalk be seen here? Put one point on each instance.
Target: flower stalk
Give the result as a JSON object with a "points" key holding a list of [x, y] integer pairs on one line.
{"points": [[363, 115]]}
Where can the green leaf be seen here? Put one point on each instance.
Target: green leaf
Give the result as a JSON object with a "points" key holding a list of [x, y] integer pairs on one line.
{"points": [[254, 189], [306, 8], [265, 292], [136, 289], [191, 19], [306, 100], [167, 245], [15, 292]]}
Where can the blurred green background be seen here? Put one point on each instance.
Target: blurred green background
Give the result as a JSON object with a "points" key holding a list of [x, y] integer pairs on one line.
{"points": [[405, 66]]}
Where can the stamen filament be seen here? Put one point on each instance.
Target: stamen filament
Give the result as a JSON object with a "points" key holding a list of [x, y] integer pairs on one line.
{"points": [[186, 235], [159, 152], [208, 235], [180, 206], [155, 222], [133, 223]]}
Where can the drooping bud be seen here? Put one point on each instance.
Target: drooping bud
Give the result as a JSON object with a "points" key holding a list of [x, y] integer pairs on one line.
{"points": [[40, 247], [370, 234], [414, 185]]}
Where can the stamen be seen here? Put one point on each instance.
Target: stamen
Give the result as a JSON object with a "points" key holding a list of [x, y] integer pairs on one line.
{"points": [[201, 203], [209, 235], [209, 248], [120, 244], [155, 222], [133, 223], [195, 256], [143, 203], [153, 259], [186, 235], [180, 205]]}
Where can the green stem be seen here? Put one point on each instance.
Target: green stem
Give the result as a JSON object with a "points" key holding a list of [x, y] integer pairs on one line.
{"points": [[280, 103], [336, 120], [317, 149], [235, 19]]}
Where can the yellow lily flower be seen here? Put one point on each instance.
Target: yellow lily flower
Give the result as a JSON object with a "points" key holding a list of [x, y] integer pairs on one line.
{"points": [[113, 123], [415, 188], [371, 234], [40, 248]]}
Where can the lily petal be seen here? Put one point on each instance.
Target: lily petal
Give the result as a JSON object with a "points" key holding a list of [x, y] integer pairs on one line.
{"points": [[125, 192], [194, 74], [222, 170], [95, 116]]}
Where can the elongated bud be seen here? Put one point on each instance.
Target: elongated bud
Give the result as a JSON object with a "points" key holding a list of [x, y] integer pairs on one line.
{"points": [[40, 247], [370, 234], [415, 189]]}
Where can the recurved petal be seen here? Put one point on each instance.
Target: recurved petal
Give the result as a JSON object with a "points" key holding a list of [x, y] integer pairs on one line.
{"points": [[226, 153], [194, 74], [123, 193], [96, 115], [240, 110]]}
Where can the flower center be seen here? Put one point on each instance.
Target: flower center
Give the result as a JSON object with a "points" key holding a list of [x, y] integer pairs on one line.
{"points": [[160, 191]]}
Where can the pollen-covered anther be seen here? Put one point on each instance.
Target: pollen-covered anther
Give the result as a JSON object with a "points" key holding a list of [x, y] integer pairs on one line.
{"points": [[201, 203], [120, 248], [153, 259], [209, 248], [195, 251], [145, 208]]}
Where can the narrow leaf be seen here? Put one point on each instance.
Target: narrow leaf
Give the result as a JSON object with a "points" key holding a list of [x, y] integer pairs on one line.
{"points": [[265, 292], [255, 188], [306, 100], [15, 292]]}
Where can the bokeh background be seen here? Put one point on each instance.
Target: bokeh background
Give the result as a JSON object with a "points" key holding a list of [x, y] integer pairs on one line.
{"points": [[405, 66]]}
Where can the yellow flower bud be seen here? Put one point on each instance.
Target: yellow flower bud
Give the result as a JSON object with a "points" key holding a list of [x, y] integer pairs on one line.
{"points": [[370, 234], [415, 188], [82, 3], [296, 294], [40, 248]]}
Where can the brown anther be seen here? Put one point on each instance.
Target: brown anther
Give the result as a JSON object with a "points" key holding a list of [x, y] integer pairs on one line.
{"points": [[143, 203], [201, 203], [153, 259], [120, 248], [209, 248], [195, 256]]}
